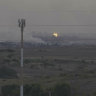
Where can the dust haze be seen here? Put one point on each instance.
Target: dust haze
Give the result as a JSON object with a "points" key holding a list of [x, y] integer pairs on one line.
{"points": [[47, 12]]}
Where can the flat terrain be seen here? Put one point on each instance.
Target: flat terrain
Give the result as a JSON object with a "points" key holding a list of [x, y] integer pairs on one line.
{"points": [[48, 65]]}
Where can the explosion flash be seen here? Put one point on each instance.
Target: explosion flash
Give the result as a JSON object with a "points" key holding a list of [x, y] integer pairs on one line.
{"points": [[55, 34]]}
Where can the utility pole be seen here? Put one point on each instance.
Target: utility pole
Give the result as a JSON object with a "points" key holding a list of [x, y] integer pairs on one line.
{"points": [[49, 93], [21, 26]]}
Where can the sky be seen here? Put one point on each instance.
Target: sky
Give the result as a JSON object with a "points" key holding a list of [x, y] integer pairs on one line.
{"points": [[47, 12]]}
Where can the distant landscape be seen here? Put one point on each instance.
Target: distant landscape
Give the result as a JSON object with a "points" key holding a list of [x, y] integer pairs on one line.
{"points": [[50, 64], [55, 40], [43, 40]]}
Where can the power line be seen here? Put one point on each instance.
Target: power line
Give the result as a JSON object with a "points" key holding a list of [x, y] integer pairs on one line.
{"points": [[61, 25], [89, 25]]}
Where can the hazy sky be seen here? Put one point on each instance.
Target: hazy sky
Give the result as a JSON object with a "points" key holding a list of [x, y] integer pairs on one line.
{"points": [[47, 12]]}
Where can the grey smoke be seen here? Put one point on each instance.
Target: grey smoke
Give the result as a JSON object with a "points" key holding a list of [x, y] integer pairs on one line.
{"points": [[28, 37], [34, 40]]}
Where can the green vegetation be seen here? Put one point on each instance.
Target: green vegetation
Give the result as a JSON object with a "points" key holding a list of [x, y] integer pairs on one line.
{"points": [[61, 90], [33, 90], [12, 90], [49, 65], [37, 90], [6, 72], [32, 60], [7, 50]]}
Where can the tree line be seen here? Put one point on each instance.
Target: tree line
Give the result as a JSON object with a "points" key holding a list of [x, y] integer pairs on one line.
{"points": [[37, 90]]}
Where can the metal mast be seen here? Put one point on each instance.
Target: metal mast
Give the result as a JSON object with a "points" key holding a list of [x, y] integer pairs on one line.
{"points": [[21, 26]]}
